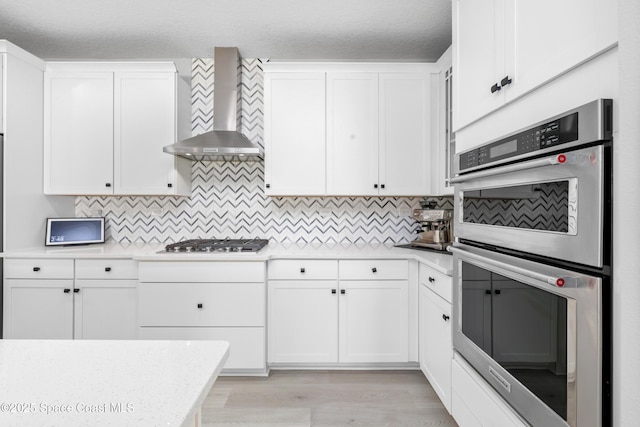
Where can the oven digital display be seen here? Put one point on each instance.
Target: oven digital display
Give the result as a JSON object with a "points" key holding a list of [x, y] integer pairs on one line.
{"points": [[502, 149]]}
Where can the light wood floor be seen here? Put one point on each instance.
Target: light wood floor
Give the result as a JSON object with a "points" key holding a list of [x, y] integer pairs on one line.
{"points": [[325, 398]]}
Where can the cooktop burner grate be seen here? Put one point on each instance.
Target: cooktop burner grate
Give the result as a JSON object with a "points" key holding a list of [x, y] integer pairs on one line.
{"points": [[217, 245]]}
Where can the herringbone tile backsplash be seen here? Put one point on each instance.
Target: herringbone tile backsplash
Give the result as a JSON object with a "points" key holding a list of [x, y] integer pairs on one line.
{"points": [[228, 199]]}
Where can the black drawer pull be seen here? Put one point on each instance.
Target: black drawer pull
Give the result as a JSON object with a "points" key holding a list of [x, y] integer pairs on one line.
{"points": [[497, 291], [374, 270], [268, 185], [431, 279], [487, 291], [107, 269], [66, 291], [342, 291], [36, 268], [169, 185], [333, 291], [445, 317], [375, 185], [495, 88], [108, 184], [382, 186], [200, 305], [506, 81], [302, 270], [76, 290]]}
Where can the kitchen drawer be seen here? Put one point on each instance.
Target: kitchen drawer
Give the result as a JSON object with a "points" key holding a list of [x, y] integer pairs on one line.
{"points": [[439, 283], [106, 269], [201, 304], [201, 271], [38, 268], [375, 269], [284, 269], [246, 349]]}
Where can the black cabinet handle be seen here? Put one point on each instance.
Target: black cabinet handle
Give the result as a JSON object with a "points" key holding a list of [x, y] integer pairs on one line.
{"points": [[375, 185], [374, 270], [445, 317], [382, 186], [107, 269], [342, 291], [302, 270], [36, 268], [506, 81], [497, 291], [200, 305], [495, 88], [268, 185], [170, 185], [76, 290], [487, 291], [431, 279], [108, 184], [66, 291], [333, 291]]}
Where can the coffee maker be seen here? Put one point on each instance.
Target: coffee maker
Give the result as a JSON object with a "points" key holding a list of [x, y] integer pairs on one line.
{"points": [[436, 228]]}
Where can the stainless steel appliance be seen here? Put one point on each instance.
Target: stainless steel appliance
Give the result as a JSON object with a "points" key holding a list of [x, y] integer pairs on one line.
{"points": [[436, 228], [224, 142], [532, 267], [216, 245]]}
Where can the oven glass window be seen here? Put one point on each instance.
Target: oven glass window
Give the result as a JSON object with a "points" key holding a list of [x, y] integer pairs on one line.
{"points": [[521, 327], [543, 206]]}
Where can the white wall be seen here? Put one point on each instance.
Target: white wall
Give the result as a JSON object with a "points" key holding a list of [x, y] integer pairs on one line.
{"points": [[626, 298]]}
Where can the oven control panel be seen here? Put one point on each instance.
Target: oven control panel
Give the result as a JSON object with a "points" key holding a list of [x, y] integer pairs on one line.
{"points": [[557, 132]]}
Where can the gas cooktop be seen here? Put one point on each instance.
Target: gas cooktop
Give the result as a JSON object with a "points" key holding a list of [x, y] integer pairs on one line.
{"points": [[216, 245]]}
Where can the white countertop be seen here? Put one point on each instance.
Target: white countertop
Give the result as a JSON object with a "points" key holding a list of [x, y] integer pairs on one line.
{"points": [[106, 383], [442, 262]]}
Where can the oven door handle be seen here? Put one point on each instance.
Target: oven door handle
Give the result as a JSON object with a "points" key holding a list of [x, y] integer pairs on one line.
{"points": [[560, 282], [538, 163]]}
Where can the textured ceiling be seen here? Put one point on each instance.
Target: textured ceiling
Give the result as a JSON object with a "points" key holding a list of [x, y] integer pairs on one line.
{"points": [[396, 30]]}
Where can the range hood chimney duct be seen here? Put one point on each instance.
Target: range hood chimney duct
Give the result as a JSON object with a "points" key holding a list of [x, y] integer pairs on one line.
{"points": [[224, 142]]}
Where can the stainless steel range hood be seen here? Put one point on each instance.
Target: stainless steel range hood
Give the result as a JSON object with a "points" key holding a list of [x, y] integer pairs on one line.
{"points": [[224, 142]]}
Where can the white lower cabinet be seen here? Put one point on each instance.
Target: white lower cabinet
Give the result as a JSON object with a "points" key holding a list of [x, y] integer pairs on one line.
{"points": [[303, 321], [474, 403], [52, 299], [338, 314], [210, 301], [436, 348]]}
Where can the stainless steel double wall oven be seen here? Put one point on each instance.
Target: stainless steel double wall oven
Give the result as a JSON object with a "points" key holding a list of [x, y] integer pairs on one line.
{"points": [[532, 266]]}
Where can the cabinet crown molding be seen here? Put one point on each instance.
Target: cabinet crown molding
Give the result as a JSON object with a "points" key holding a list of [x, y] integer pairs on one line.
{"points": [[374, 67], [111, 66]]}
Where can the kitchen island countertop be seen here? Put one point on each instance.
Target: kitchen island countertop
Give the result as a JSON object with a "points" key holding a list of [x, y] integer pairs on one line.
{"points": [[442, 262], [106, 383]]}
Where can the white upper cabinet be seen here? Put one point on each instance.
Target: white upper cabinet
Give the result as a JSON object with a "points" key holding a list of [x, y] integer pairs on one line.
{"points": [[144, 123], [404, 113], [369, 135], [78, 138], [105, 126], [294, 134], [352, 134], [504, 49]]}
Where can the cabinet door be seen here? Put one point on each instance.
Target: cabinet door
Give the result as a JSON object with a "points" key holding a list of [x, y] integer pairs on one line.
{"points": [[405, 149], [303, 321], [78, 133], [547, 38], [40, 309], [106, 309], [145, 121], [352, 134], [374, 321], [294, 134], [478, 59], [436, 349]]}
